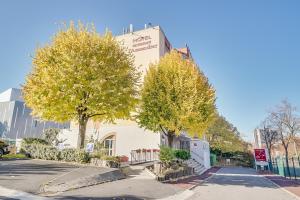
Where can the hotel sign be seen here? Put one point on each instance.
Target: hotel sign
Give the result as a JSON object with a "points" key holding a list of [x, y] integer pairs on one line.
{"points": [[142, 43]]}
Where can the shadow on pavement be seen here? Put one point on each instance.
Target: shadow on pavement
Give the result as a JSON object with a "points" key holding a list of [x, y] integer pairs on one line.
{"points": [[194, 180], [7, 198], [240, 176], [123, 197], [33, 168]]}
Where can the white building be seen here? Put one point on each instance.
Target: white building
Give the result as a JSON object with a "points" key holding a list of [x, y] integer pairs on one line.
{"points": [[147, 46], [15, 118]]}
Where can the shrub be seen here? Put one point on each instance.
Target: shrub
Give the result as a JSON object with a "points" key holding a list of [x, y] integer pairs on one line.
{"points": [[34, 140], [166, 155], [112, 161], [47, 152], [67, 155], [182, 154], [41, 151], [74, 155], [99, 153], [51, 136]]}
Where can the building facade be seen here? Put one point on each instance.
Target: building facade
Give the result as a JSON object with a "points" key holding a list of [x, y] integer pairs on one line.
{"points": [[16, 121]]}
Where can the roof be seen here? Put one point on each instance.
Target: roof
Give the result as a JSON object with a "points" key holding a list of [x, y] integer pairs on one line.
{"points": [[11, 94]]}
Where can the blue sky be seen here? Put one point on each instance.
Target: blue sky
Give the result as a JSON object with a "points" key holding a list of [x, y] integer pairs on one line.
{"points": [[250, 50]]}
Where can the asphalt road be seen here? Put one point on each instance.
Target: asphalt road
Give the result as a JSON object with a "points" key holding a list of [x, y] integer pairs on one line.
{"points": [[139, 185], [239, 184], [226, 184], [28, 175]]}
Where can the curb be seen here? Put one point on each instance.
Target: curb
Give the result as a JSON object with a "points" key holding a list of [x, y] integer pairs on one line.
{"points": [[282, 188], [194, 186], [180, 196], [85, 181]]}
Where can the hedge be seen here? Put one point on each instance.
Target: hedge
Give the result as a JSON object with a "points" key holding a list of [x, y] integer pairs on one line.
{"points": [[74, 155], [34, 140], [182, 154], [46, 152]]}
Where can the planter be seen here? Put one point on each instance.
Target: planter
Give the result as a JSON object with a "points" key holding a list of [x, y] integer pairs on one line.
{"points": [[124, 159], [98, 162], [104, 163], [175, 174]]}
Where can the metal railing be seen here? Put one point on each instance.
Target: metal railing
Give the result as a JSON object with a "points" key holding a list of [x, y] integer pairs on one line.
{"points": [[279, 166], [197, 157], [144, 155]]}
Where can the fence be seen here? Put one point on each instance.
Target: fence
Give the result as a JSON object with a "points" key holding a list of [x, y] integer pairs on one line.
{"points": [[144, 155], [279, 167]]}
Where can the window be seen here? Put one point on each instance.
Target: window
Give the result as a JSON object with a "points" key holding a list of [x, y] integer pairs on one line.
{"points": [[109, 144], [185, 145]]}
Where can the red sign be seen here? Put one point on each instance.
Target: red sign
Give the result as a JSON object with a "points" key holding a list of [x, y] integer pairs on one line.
{"points": [[260, 154]]}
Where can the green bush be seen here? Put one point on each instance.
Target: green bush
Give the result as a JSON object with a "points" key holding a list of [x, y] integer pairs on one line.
{"points": [[46, 152], [112, 161], [99, 153], [67, 155], [182, 154], [26, 141], [74, 155], [166, 155], [41, 151]]}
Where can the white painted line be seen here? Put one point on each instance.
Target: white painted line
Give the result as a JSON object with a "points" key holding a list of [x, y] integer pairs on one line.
{"points": [[19, 195], [180, 196], [64, 174], [278, 186], [246, 175]]}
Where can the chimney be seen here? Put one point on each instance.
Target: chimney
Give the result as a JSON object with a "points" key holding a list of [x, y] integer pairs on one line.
{"points": [[130, 28]]}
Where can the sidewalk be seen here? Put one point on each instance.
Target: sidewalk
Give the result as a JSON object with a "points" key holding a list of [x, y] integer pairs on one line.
{"points": [[191, 182], [287, 184]]}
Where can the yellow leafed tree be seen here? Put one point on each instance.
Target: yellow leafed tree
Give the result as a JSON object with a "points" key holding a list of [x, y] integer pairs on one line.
{"points": [[176, 97], [81, 75]]}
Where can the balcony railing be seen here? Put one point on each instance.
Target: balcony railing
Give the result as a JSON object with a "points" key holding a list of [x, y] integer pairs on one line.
{"points": [[144, 155]]}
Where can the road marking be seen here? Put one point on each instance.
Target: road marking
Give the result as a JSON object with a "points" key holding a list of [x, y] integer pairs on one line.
{"points": [[245, 175], [180, 196], [19, 195], [61, 175]]}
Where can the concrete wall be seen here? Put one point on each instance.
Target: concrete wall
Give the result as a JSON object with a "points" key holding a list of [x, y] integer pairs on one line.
{"points": [[131, 137], [200, 152], [128, 136]]}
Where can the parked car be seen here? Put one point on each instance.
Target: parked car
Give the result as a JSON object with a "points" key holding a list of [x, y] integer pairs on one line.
{"points": [[3, 148]]}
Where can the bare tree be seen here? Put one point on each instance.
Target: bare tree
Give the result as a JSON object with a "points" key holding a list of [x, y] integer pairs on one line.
{"points": [[269, 136], [286, 122]]}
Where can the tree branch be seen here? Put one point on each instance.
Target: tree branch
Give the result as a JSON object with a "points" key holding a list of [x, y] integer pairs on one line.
{"points": [[163, 130], [97, 114]]}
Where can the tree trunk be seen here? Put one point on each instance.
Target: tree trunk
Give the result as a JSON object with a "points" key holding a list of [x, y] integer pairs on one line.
{"points": [[82, 129], [270, 158], [287, 161], [170, 139]]}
